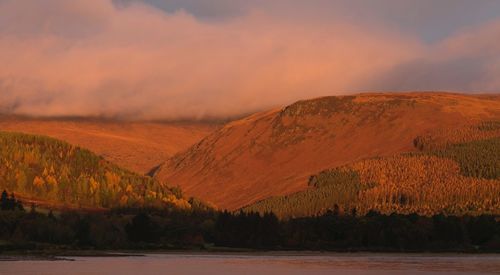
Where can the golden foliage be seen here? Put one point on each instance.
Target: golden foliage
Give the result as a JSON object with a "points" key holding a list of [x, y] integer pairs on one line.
{"points": [[51, 180], [442, 138], [112, 180], [178, 203], [45, 168], [124, 200], [38, 182], [425, 185], [94, 185], [457, 172]]}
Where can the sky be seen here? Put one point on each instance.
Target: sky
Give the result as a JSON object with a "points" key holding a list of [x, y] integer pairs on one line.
{"points": [[204, 59]]}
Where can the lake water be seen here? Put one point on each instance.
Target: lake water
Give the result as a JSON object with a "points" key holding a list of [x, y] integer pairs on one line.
{"points": [[239, 264]]}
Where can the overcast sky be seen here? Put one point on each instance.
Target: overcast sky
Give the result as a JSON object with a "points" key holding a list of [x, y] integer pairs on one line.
{"points": [[173, 59]]}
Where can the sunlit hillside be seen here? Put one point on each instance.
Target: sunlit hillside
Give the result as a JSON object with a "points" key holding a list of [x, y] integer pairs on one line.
{"points": [[138, 146], [275, 153], [455, 172], [42, 168]]}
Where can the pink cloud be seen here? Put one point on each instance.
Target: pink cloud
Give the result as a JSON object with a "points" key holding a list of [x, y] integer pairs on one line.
{"points": [[89, 58]]}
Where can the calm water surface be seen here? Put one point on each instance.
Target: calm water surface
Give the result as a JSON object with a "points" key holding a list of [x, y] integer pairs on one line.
{"points": [[265, 264]]}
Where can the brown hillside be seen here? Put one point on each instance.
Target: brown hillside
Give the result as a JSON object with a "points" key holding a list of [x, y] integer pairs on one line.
{"points": [[138, 146], [274, 153]]}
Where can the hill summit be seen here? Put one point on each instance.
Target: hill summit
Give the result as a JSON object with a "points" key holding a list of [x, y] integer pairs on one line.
{"points": [[275, 153]]}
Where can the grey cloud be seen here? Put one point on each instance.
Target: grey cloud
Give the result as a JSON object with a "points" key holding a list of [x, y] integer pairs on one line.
{"points": [[430, 19], [460, 74], [210, 10]]}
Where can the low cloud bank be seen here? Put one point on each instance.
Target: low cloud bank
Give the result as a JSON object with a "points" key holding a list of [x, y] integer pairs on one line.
{"points": [[97, 58]]}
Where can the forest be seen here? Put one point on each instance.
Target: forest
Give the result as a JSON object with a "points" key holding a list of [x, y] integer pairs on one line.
{"points": [[55, 171], [208, 230], [453, 172], [441, 197]]}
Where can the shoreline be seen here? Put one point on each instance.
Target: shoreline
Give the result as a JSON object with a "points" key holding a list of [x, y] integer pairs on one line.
{"points": [[66, 255]]}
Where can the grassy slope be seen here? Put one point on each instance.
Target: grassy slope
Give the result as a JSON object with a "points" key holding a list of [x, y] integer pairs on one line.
{"points": [[456, 178], [274, 153], [137, 146]]}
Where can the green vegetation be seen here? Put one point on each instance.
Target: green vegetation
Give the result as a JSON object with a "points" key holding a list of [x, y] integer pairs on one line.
{"points": [[48, 169], [475, 148], [478, 159], [489, 125], [340, 211], [446, 137], [459, 179], [330, 190], [200, 229], [346, 182]]}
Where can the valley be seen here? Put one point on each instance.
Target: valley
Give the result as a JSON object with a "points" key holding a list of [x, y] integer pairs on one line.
{"points": [[138, 146]]}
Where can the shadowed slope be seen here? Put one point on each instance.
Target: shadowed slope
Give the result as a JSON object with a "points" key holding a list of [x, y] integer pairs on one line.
{"points": [[274, 153]]}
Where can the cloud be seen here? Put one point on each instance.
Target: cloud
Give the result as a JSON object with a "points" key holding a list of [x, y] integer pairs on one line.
{"points": [[134, 60], [466, 61]]}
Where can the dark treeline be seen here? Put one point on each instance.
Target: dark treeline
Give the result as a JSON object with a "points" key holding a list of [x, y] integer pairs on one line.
{"points": [[10, 202], [202, 229]]}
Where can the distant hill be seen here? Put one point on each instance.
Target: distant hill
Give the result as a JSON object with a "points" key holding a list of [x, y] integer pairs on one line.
{"points": [[275, 153], [55, 172], [138, 146]]}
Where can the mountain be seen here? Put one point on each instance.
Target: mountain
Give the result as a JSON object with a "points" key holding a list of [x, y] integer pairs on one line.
{"points": [[138, 146], [451, 178], [57, 173], [275, 153]]}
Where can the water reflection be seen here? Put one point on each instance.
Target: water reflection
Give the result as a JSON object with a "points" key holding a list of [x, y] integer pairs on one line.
{"points": [[239, 264]]}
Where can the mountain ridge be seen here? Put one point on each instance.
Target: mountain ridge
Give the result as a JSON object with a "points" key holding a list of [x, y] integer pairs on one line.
{"points": [[275, 152]]}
